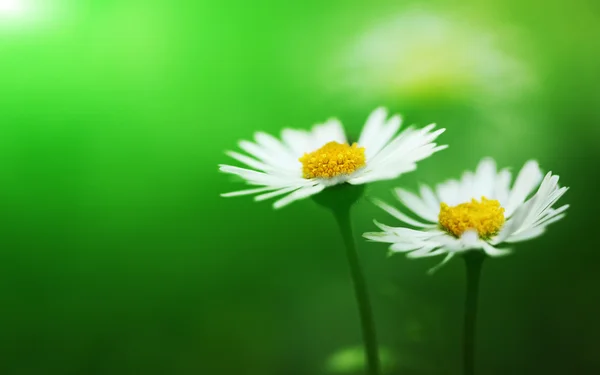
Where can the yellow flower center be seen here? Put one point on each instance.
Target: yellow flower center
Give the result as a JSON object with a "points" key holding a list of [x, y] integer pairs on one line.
{"points": [[486, 217], [332, 160]]}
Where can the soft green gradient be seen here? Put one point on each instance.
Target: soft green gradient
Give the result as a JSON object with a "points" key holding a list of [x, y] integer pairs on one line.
{"points": [[118, 256]]}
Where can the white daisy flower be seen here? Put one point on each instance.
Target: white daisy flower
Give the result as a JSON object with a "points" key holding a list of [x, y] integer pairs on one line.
{"points": [[480, 211], [303, 163]]}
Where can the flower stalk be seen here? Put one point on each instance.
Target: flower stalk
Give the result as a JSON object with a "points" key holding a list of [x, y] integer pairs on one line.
{"points": [[360, 290], [339, 200], [473, 263]]}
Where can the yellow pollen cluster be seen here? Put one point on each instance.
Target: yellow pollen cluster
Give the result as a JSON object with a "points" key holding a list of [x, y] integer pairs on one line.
{"points": [[486, 217], [332, 160]]}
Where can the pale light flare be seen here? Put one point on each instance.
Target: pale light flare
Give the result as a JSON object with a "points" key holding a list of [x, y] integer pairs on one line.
{"points": [[31, 15], [12, 8]]}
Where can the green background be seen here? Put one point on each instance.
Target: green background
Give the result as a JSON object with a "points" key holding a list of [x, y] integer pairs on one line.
{"points": [[117, 255]]}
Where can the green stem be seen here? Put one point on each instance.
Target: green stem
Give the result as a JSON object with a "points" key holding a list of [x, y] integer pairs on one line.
{"points": [[473, 262], [342, 216]]}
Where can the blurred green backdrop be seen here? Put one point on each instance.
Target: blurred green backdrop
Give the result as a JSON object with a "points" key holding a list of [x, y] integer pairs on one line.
{"points": [[118, 256]]}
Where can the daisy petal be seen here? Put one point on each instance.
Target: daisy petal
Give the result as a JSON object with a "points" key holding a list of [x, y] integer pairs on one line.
{"points": [[265, 155], [251, 162], [246, 192], [275, 147], [275, 193], [381, 237], [529, 177], [260, 178], [330, 131], [382, 138], [502, 187], [425, 252], [434, 269], [470, 239], [367, 175], [299, 141], [299, 194], [550, 214], [554, 219], [540, 204], [372, 126], [410, 233], [400, 155], [494, 252], [485, 178], [513, 224], [416, 205], [429, 198], [449, 192], [399, 215], [526, 235], [401, 247]]}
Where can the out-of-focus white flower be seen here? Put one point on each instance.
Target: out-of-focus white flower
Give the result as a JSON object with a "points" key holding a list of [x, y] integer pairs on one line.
{"points": [[421, 53]]}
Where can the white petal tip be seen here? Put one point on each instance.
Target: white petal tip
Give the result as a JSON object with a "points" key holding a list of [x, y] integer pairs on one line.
{"points": [[379, 225], [376, 201]]}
